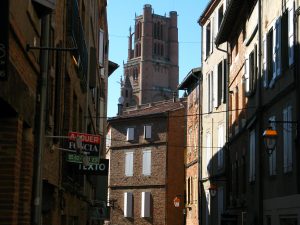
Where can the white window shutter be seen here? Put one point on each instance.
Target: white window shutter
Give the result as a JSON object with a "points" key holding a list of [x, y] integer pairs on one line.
{"points": [[211, 35], [147, 162], [147, 131], [220, 146], [216, 23], [211, 87], [130, 134], [265, 69], [278, 46], [129, 164], [274, 51], [128, 197], [215, 86], [291, 11], [101, 48], [208, 152], [247, 77], [146, 205], [204, 41], [207, 211]]}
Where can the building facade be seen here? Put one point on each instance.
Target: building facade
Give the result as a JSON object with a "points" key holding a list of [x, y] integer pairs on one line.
{"points": [[146, 164], [192, 86], [53, 81], [213, 117], [151, 71], [264, 186]]}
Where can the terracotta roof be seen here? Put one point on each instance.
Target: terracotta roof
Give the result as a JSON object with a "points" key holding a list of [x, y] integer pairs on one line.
{"points": [[150, 109]]}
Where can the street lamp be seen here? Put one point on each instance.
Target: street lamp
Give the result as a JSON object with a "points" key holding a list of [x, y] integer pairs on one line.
{"points": [[270, 139]]}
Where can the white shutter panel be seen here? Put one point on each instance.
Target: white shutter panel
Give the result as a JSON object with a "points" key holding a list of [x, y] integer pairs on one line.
{"points": [[220, 146], [274, 50], [211, 87], [128, 204], [130, 134], [216, 22], [101, 47], [129, 163], [147, 131], [215, 86], [207, 211], [211, 35], [247, 77], [265, 70], [278, 46], [147, 162], [291, 11], [204, 41], [145, 209]]}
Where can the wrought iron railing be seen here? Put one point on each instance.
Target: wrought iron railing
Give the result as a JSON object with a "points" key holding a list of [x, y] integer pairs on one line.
{"points": [[76, 33]]}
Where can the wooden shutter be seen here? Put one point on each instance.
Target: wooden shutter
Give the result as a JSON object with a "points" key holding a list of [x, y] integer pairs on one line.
{"points": [[291, 11], [215, 86], [265, 54], [128, 199], [130, 134], [246, 76], [278, 46], [146, 204], [129, 164]]}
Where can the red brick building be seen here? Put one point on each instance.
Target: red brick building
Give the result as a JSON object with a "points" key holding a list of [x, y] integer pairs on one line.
{"points": [[146, 164], [46, 94]]}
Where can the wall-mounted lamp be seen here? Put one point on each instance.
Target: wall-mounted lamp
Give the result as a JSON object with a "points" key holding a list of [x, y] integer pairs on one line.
{"points": [[270, 139]]}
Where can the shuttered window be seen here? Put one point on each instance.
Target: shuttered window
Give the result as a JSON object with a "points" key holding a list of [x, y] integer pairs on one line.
{"points": [[129, 164], [147, 131], [128, 200], [130, 134], [291, 11], [146, 205], [147, 162]]}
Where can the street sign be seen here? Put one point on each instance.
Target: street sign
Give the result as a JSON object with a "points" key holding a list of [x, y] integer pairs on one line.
{"points": [[95, 169], [75, 158], [89, 143]]}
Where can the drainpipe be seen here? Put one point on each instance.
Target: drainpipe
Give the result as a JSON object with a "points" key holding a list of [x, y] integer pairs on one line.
{"points": [[296, 76], [38, 166], [260, 121]]}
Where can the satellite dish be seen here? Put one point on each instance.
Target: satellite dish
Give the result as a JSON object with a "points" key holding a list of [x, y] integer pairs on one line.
{"points": [[121, 100]]}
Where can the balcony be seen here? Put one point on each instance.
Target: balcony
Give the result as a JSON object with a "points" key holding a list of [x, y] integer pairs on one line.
{"points": [[76, 37]]}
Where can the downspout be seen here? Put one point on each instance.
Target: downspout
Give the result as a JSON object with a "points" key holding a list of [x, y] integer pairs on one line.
{"points": [[227, 111], [38, 165], [260, 120], [296, 76]]}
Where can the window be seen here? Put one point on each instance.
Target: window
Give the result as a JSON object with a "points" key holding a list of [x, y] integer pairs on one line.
{"points": [[108, 139], [189, 190], [208, 153], [146, 205], [210, 91], [208, 38], [250, 71], [252, 156], [147, 131], [147, 162], [101, 48], [287, 140], [291, 10], [130, 134], [272, 157], [128, 200], [220, 146], [129, 164]]}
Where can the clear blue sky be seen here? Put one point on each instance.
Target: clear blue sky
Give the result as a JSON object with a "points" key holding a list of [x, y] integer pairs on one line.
{"points": [[121, 15]]}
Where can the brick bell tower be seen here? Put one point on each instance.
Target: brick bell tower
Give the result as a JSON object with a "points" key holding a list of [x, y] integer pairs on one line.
{"points": [[151, 71]]}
